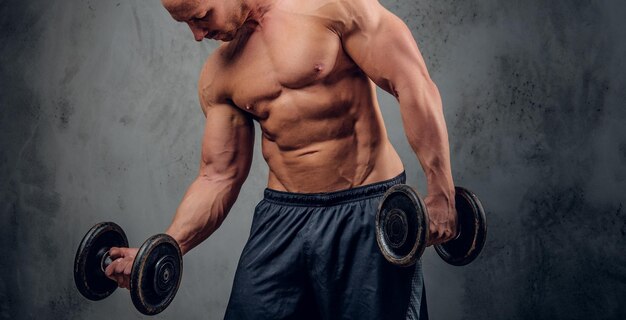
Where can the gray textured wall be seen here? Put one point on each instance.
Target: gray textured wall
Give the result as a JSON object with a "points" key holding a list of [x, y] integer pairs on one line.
{"points": [[100, 121]]}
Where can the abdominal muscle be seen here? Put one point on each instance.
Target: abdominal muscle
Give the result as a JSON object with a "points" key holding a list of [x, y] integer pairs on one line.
{"points": [[346, 147], [333, 166]]}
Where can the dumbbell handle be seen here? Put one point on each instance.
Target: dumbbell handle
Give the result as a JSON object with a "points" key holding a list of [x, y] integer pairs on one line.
{"points": [[105, 259]]}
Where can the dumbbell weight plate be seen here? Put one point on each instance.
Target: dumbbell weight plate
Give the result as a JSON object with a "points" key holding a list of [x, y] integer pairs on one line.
{"points": [[156, 274], [401, 225], [88, 276], [472, 225]]}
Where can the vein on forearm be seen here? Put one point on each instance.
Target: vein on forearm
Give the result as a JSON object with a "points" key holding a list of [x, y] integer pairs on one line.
{"points": [[425, 128], [203, 209]]}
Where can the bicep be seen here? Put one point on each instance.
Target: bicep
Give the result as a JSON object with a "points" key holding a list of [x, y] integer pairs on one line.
{"points": [[382, 45], [227, 143]]}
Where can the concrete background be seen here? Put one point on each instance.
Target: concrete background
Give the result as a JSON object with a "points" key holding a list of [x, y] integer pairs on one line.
{"points": [[100, 121]]}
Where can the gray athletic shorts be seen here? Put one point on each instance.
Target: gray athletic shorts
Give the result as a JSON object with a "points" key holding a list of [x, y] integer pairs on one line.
{"points": [[314, 256]]}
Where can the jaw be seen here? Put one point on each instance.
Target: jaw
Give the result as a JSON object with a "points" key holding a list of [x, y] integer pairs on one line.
{"points": [[242, 32], [240, 23], [244, 21]]}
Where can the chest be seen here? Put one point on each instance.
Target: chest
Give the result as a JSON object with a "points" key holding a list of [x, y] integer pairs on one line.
{"points": [[289, 52]]}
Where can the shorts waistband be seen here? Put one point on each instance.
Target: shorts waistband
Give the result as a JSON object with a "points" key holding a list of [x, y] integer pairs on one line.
{"points": [[335, 197]]}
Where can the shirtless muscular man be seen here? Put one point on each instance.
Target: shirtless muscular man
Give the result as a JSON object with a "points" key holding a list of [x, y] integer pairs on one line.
{"points": [[306, 70]]}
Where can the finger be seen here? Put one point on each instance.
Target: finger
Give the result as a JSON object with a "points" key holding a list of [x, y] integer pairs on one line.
{"points": [[447, 234], [131, 252], [126, 282], [434, 242], [115, 252], [118, 252], [435, 237], [127, 269], [120, 280], [120, 265], [433, 232], [113, 274], [110, 270], [124, 252]]}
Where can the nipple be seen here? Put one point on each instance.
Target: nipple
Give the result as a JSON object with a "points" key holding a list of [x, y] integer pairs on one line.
{"points": [[318, 67], [249, 106]]}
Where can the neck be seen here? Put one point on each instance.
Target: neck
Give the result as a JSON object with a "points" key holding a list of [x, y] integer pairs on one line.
{"points": [[258, 8]]}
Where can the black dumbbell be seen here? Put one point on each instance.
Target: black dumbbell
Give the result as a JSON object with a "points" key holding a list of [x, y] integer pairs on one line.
{"points": [[156, 271], [402, 227]]}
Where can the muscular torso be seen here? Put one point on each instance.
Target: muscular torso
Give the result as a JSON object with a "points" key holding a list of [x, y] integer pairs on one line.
{"points": [[321, 123]]}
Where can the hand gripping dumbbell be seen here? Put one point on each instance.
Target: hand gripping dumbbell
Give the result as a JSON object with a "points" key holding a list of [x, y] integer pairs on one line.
{"points": [[402, 227], [156, 271]]}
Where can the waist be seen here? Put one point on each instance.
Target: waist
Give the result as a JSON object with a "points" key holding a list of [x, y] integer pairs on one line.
{"points": [[332, 198]]}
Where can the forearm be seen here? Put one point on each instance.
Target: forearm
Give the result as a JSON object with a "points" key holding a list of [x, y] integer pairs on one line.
{"points": [[202, 210], [425, 127]]}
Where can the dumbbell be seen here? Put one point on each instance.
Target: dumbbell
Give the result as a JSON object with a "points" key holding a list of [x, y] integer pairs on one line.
{"points": [[156, 271], [402, 227]]}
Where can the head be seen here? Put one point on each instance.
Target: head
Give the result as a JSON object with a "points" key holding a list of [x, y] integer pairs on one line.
{"points": [[211, 19]]}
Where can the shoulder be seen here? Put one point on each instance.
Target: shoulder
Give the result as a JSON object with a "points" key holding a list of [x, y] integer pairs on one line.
{"points": [[211, 91], [350, 15]]}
